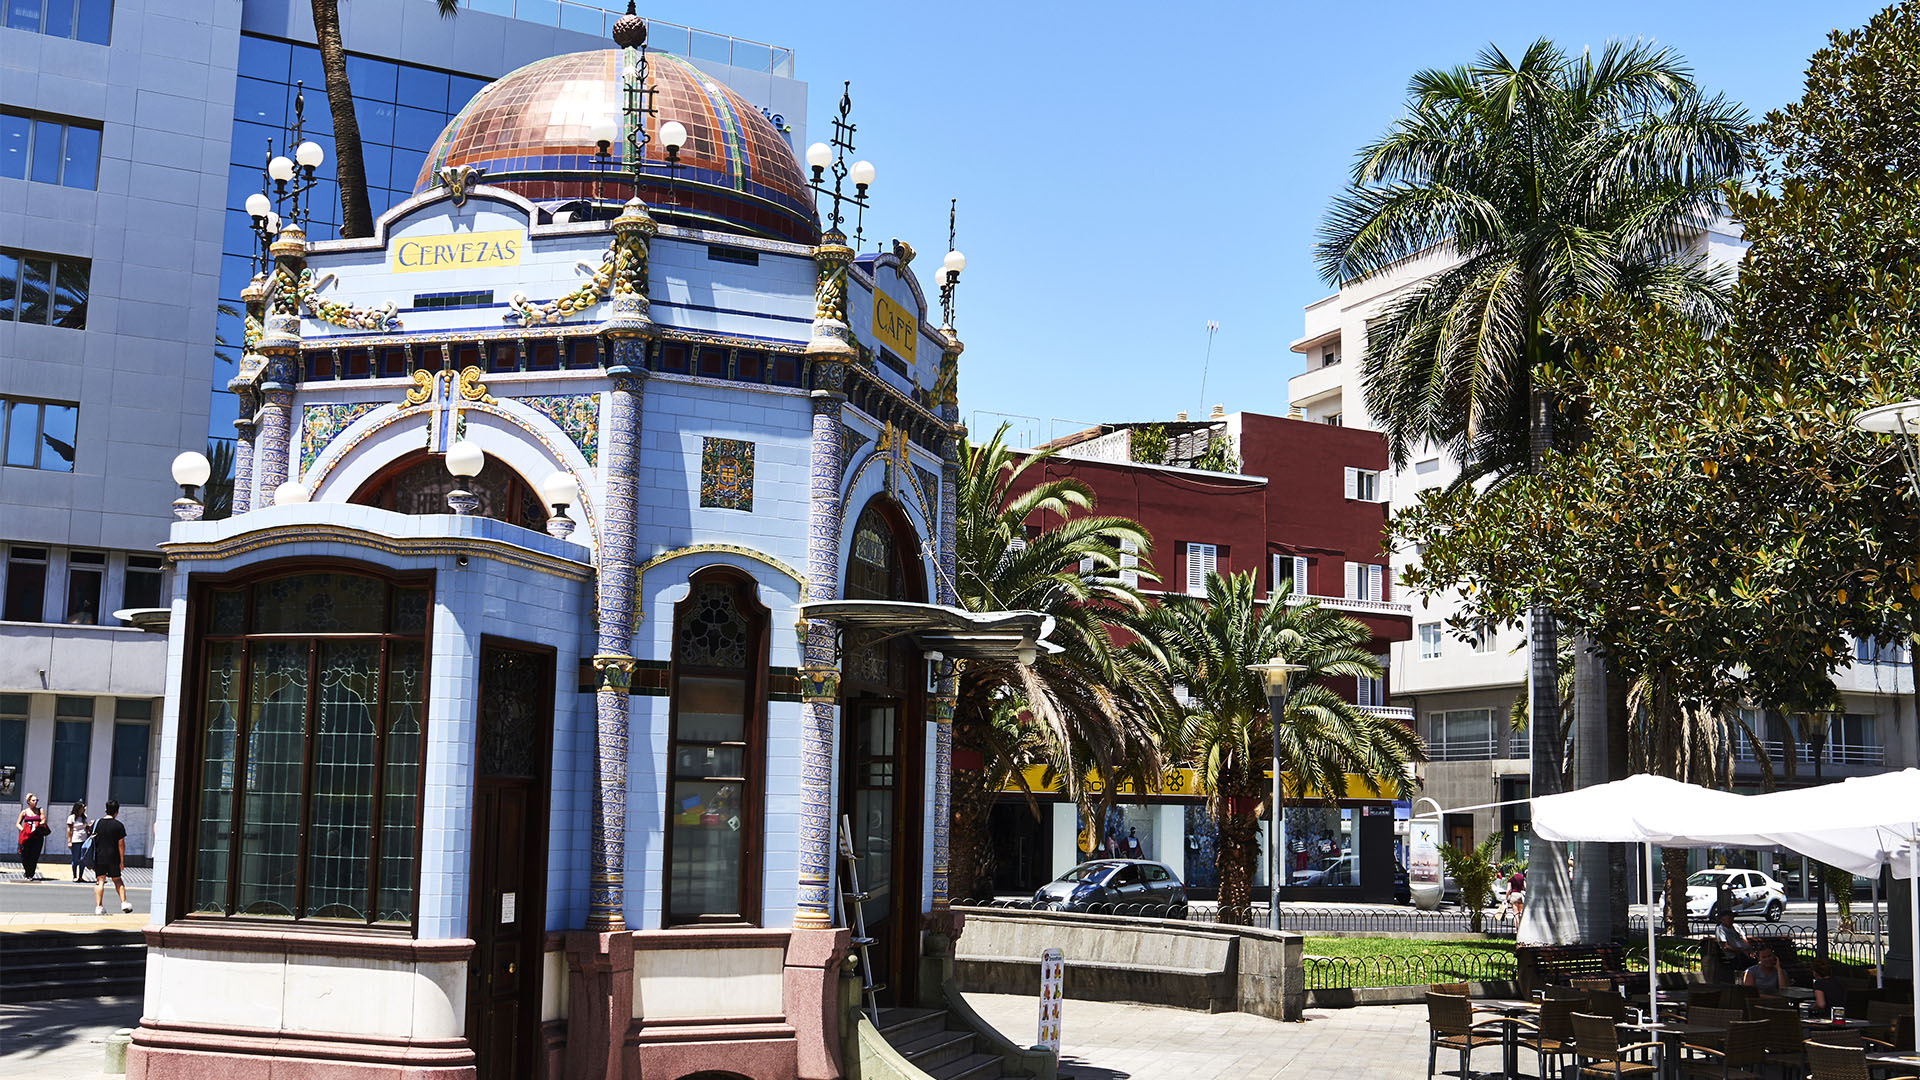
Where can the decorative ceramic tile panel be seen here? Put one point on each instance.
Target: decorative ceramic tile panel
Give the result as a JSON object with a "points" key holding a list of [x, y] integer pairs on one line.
{"points": [[320, 423], [576, 414], [726, 474], [850, 442]]}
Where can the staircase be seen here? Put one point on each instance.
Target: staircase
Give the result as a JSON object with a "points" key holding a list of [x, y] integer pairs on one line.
{"points": [[41, 965], [923, 1037]]}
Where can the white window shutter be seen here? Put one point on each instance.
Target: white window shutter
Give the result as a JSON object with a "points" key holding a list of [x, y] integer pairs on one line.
{"points": [[1353, 483], [1353, 581], [1373, 583], [1129, 557], [1299, 575], [1281, 564], [1383, 486], [1087, 565], [1201, 561]]}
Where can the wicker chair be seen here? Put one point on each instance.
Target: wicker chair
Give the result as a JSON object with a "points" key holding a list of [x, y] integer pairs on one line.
{"points": [[1550, 1034], [1703, 997], [1715, 1018], [1741, 998], [1566, 993], [1740, 1058], [1786, 1040], [1593, 984], [1607, 1003], [1459, 988], [1894, 1023], [1828, 1062], [1598, 1049], [1450, 1024]]}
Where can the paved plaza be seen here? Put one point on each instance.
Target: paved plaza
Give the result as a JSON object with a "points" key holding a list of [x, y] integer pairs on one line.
{"points": [[1105, 1041]]}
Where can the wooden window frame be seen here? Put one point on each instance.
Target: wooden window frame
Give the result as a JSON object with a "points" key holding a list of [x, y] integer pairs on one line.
{"points": [[190, 749], [753, 784]]}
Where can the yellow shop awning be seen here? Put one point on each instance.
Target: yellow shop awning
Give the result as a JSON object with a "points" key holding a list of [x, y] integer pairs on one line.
{"points": [[1187, 782]]}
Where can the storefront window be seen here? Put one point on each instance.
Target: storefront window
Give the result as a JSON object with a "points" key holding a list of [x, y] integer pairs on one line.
{"points": [[307, 749], [1322, 847], [713, 792]]}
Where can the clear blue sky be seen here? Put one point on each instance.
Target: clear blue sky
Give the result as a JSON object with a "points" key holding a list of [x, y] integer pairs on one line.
{"points": [[1127, 172]]}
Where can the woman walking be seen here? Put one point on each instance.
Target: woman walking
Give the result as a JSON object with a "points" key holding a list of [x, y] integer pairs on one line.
{"points": [[33, 836], [80, 840]]}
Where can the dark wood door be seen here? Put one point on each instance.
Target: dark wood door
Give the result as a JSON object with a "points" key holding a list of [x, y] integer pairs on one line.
{"points": [[881, 801], [507, 916]]}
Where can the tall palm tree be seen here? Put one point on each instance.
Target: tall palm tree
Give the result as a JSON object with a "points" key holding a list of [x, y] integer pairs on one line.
{"points": [[1547, 179], [1223, 726], [349, 165], [1092, 704]]}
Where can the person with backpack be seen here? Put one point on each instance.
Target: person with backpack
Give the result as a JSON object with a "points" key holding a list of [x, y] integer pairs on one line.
{"points": [[80, 839], [109, 858], [32, 824]]}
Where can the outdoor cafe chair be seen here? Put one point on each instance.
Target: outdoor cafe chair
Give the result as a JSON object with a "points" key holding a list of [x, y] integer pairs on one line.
{"points": [[1450, 1024], [1829, 1062], [1594, 984], [1566, 993], [1740, 1058], [1893, 1021], [1607, 1003], [1714, 1018], [1450, 988], [1597, 1041], [1549, 1035], [1786, 1039], [1706, 997]]}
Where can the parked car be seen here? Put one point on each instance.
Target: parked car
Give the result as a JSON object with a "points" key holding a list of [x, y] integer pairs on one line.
{"points": [[1753, 893], [1116, 887]]}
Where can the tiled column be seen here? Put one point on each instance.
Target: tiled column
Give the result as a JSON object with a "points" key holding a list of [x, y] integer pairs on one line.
{"points": [[628, 329], [829, 349], [941, 708], [247, 424], [280, 348]]}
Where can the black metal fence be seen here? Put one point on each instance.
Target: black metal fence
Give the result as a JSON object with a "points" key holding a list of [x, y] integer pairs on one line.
{"points": [[1418, 969]]}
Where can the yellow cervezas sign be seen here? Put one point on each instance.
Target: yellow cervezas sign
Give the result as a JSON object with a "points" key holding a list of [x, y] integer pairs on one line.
{"points": [[894, 326], [458, 251]]}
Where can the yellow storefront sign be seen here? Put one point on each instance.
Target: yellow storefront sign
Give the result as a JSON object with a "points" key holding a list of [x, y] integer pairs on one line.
{"points": [[1187, 782], [458, 251], [894, 326]]}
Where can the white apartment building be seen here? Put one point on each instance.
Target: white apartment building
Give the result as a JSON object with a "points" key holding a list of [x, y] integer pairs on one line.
{"points": [[1462, 689]]}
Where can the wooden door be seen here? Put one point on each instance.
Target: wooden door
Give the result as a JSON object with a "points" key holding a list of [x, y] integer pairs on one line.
{"points": [[507, 916]]}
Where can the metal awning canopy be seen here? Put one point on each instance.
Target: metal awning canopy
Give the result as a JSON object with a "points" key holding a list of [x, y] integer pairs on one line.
{"points": [[953, 632]]}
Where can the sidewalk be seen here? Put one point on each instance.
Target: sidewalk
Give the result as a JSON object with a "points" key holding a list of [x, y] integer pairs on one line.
{"points": [[62, 1040], [1107, 1041]]}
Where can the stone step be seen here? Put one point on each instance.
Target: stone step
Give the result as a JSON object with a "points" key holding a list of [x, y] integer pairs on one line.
{"points": [[932, 1051], [971, 1067], [900, 1026]]}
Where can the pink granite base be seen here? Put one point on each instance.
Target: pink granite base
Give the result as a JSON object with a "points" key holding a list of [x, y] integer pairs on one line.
{"points": [[166, 1052]]}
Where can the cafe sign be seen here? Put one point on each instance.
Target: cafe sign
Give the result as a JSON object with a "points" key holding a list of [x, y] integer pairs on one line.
{"points": [[458, 251], [894, 326]]}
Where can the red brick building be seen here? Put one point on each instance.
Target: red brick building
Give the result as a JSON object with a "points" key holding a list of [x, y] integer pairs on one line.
{"points": [[1307, 501]]}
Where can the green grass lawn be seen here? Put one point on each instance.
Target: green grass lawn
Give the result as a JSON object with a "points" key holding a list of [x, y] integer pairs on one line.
{"points": [[1380, 946], [1375, 961]]}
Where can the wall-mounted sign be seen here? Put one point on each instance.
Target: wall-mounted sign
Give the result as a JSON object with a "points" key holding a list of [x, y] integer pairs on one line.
{"points": [[894, 326], [458, 251]]}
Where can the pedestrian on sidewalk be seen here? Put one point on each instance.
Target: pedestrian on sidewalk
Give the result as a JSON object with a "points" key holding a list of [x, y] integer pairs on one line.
{"points": [[32, 823], [109, 858], [80, 840]]}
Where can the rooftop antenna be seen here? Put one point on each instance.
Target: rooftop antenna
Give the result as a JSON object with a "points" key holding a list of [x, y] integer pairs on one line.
{"points": [[1212, 329]]}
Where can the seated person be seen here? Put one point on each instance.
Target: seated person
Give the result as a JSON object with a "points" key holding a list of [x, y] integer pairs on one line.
{"points": [[1733, 944], [1767, 975], [1829, 990]]}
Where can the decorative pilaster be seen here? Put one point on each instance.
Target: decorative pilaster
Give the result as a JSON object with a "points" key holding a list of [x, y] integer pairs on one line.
{"points": [[628, 329], [280, 350], [829, 349], [941, 708], [244, 387]]}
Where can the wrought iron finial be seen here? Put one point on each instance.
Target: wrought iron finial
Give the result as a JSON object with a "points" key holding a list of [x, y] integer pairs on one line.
{"points": [[950, 267], [831, 158]]}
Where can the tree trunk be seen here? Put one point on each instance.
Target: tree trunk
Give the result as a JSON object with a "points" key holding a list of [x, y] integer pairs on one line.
{"points": [[1624, 858], [969, 848], [356, 212], [1548, 918], [1592, 863], [1238, 848], [1673, 861]]}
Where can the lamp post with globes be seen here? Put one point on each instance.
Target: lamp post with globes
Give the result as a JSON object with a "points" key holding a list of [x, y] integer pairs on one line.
{"points": [[291, 179], [673, 136], [1275, 673], [465, 459], [831, 156], [560, 489], [191, 471]]}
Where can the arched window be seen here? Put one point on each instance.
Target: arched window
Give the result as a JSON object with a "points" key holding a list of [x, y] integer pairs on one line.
{"points": [[419, 483], [300, 787], [718, 745]]}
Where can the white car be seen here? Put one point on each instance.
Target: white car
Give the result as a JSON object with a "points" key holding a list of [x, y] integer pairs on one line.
{"points": [[1753, 893]]}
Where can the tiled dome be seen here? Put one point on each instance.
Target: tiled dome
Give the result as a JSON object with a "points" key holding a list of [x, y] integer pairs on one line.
{"points": [[533, 129]]}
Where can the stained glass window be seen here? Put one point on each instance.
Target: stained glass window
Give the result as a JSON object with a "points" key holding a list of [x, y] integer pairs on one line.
{"points": [[306, 801], [713, 791]]}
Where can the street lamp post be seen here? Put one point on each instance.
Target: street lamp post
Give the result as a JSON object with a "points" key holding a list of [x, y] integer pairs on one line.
{"points": [[1275, 674]]}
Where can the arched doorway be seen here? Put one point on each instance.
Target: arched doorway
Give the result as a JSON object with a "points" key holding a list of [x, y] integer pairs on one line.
{"points": [[419, 482], [883, 706]]}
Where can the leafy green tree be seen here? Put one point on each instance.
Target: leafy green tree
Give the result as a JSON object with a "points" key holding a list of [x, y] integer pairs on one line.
{"points": [[1548, 179], [1222, 727], [1474, 871], [1091, 706]]}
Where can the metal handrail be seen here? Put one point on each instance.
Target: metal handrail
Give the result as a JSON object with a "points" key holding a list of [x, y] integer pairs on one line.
{"points": [[687, 41]]}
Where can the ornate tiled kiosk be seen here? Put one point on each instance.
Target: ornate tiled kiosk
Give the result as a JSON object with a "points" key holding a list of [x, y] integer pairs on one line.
{"points": [[590, 575]]}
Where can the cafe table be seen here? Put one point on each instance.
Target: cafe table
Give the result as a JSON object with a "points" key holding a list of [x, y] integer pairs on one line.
{"points": [[1670, 1034], [1509, 1011], [1893, 1062]]}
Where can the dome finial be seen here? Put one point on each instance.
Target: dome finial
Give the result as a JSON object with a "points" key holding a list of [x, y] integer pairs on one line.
{"points": [[630, 30]]}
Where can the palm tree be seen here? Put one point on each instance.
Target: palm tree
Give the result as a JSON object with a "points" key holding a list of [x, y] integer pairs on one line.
{"points": [[1682, 737], [1223, 727], [1548, 180], [349, 166], [1090, 705]]}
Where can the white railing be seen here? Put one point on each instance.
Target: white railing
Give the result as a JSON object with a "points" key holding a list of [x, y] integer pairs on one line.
{"points": [[1838, 753], [1348, 603], [1389, 712], [597, 17], [1464, 750]]}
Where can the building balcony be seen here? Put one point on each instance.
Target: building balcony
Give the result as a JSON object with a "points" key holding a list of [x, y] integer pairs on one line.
{"points": [[64, 657], [1389, 712], [1744, 752], [1348, 603]]}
